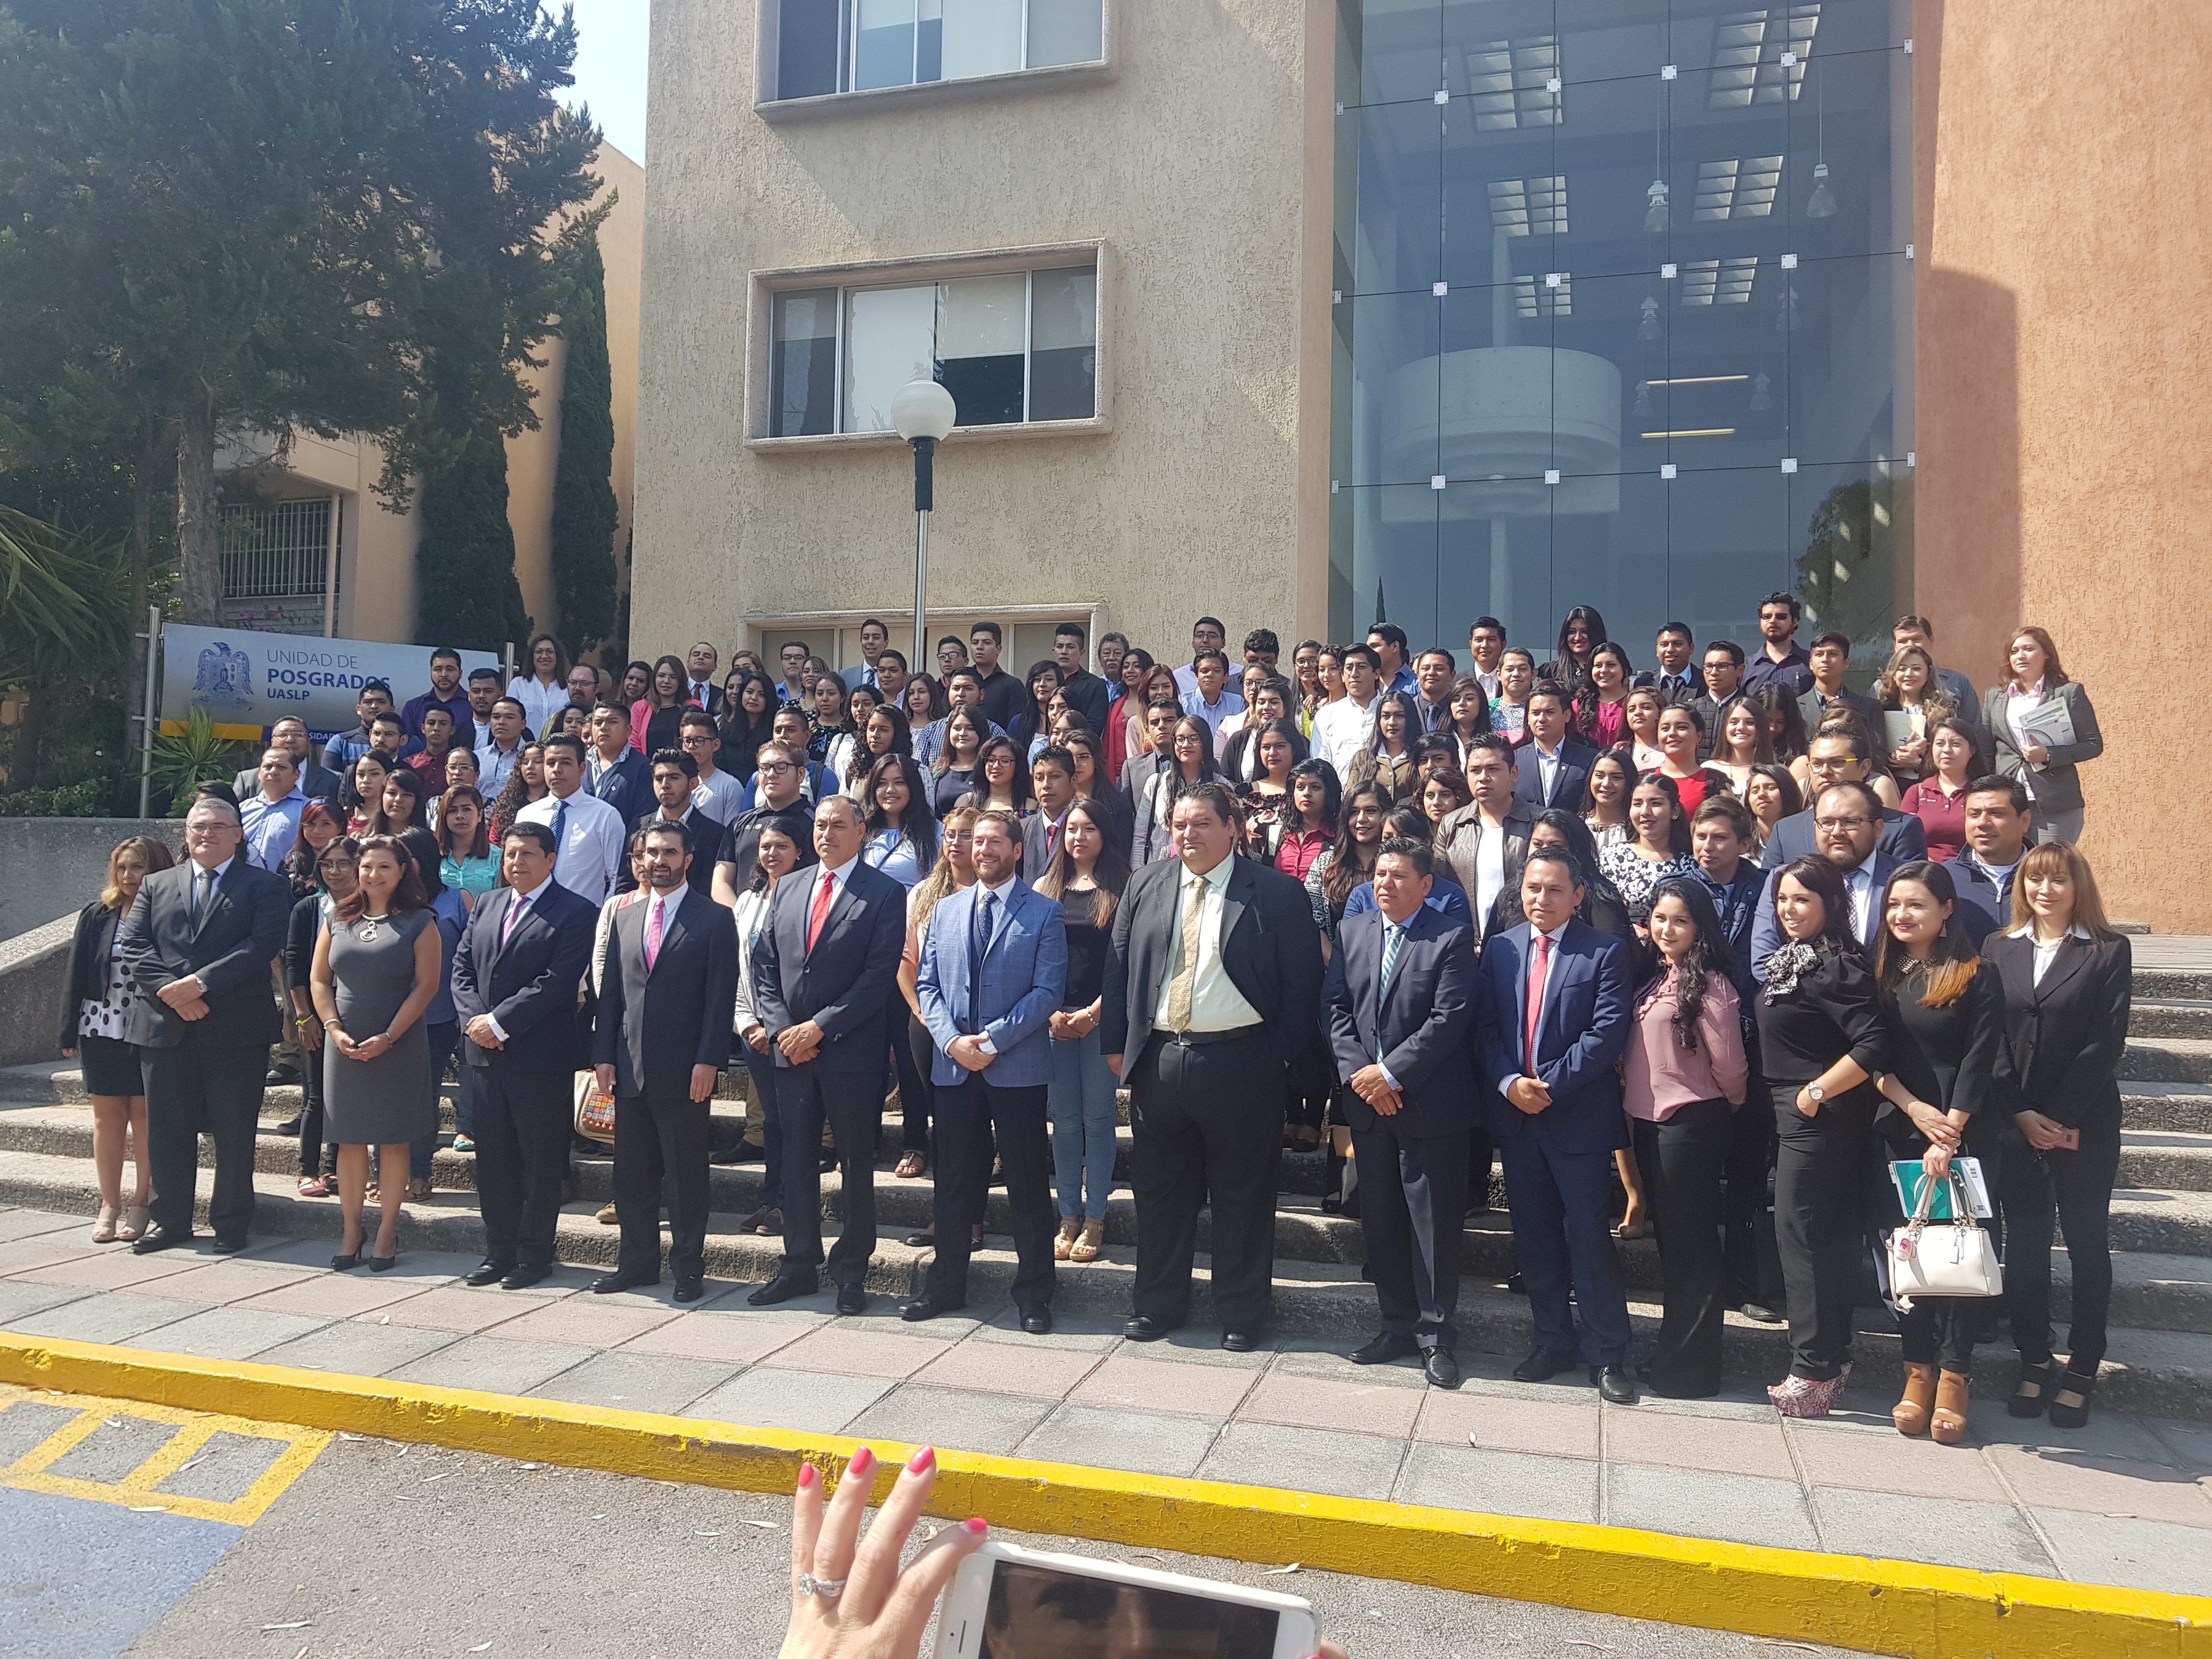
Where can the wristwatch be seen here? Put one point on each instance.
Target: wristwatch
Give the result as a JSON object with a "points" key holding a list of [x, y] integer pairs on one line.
{"points": [[1815, 1093]]}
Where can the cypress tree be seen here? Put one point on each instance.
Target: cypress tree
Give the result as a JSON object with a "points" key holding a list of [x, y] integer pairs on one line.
{"points": [[466, 594], [584, 511]]}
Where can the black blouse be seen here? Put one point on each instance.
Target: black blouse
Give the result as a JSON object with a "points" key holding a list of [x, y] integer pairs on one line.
{"points": [[1831, 1011], [1947, 1057], [1087, 943]]}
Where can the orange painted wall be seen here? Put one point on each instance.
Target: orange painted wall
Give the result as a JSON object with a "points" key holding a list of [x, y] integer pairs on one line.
{"points": [[2063, 361]]}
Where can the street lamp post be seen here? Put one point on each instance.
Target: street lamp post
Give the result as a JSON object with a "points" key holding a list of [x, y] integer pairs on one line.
{"points": [[923, 412]]}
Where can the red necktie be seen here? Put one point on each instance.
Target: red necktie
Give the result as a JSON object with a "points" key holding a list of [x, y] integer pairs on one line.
{"points": [[1051, 838], [653, 933], [1535, 1015], [820, 913]]}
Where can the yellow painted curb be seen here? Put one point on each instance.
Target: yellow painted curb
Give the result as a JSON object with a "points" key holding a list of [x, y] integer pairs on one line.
{"points": [[1882, 1606]]}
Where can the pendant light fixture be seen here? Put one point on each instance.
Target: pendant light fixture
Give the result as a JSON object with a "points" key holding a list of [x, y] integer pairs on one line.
{"points": [[1654, 212], [1786, 319], [1762, 396], [1644, 400], [1823, 203], [1648, 328]]}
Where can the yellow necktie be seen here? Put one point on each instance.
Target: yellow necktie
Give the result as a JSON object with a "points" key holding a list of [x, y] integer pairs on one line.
{"points": [[1185, 978]]}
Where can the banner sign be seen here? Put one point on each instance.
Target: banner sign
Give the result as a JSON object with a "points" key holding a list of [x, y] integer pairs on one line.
{"points": [[248, 681]]}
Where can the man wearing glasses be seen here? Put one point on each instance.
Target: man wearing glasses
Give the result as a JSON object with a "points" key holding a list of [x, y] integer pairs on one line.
{"points": [[1834, 758], [782, 806]]}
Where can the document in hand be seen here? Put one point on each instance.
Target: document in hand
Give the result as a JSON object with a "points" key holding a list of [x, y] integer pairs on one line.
{"points": [[1908, 1173], [2048, 724], [1898, 723]]}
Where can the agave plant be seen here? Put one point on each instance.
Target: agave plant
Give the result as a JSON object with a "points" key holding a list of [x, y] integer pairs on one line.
{"points": [[194, 757]]}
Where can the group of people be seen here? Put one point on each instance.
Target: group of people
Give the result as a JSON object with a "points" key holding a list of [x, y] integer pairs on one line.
{"points": [[1719, 937]]}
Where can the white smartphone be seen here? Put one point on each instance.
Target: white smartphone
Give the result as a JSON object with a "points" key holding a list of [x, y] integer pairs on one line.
{"points": [[1007, 1602]]}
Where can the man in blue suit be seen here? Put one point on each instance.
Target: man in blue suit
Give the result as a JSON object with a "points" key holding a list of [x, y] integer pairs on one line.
{"points": [[1555, 767], [1397, 1004], [617, 773], [1552, 1013], [992, 970], [515, 974]]}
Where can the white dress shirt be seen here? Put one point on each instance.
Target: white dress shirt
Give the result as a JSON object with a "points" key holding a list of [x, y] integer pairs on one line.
{"points": [[540, 703], [1489, 867], [1216, 1003], [1341, 730], [2046, 954], [591, 850], [1860, 885]]}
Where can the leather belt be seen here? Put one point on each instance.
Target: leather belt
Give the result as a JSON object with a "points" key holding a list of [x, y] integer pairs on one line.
{"points": [[1199, 1039]]}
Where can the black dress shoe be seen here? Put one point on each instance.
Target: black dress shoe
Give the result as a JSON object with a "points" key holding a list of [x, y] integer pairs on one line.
{"points": [[1239, 1341], [1541, 1366], [383, 1264], [290, 1126], [1037, 1322], [740, 1153], [1145, 1328], [487, 1273], [923, 1306], [783, 1288], [852, 1299], [521, 1279], [610, 1282], [1382, 1350], [1442, 1370], [922, 1241], [147, 1243], [688, 1289], [1616, 1383], [228, 1246], [347, 1263], [1514, 1284], [280, 1074], [1759, 1311]]}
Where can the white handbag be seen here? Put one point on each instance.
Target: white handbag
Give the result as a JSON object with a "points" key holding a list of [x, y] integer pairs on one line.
{"points": [[1942, 1258]]}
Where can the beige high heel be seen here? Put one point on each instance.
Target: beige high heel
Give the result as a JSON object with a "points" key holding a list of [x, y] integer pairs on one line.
{"points": [[136, 1219], [1086, 1248], [103, 1231]]}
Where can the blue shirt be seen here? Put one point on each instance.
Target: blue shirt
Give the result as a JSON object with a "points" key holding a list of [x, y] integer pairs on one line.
{"points": [[1195, 705], [270, 828], [453, 916], [930, 739], [1447, 898]]}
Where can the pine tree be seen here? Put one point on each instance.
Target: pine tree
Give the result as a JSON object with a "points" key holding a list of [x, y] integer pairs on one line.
{"points": [[584, 510]]}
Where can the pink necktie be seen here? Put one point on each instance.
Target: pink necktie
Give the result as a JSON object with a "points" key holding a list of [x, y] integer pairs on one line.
{"points": [[653, 933], [1535, 1015], [514, 914]]}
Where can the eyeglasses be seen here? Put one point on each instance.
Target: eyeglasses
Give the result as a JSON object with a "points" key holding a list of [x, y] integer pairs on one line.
{"points": [[775, 767], [1825, 824]]}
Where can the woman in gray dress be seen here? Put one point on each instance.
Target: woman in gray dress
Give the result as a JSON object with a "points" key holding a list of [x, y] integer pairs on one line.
{"points": [[377, 968]]}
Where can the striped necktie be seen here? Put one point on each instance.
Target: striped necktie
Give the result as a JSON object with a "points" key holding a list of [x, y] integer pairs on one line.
{"points": [[1394, 935]]}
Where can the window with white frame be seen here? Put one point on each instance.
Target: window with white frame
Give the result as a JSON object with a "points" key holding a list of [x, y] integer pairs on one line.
{"points": [[1012, 348], [825, 47]]}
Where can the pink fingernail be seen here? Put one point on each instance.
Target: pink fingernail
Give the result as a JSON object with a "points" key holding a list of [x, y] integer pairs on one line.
{"points": [[807, 1477], [922, 1461], [863, 1460], [976, 1524]]}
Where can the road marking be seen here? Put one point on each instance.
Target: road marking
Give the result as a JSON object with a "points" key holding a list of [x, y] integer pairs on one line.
{"points": [[138, 1489]]}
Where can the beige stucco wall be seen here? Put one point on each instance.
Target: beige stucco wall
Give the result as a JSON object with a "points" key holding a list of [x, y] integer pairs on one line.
{"points": [[1186, 161], [2064, 329]]}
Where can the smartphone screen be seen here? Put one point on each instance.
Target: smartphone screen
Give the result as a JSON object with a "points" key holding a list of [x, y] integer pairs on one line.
{"points": [[1040, 1613]]}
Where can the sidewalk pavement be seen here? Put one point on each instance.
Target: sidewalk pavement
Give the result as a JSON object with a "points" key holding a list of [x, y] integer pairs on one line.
{"points": [[2126, 1502]]}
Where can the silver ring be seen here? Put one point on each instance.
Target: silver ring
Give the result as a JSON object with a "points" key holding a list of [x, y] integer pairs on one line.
{"points": [[829, 1588]]}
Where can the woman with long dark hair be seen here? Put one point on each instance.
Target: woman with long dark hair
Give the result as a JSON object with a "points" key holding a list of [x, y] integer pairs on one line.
{"points": [[1581, 633], [1601, 709], [1640, 712], [1685, 1073], [524, 784], [747, 720], [830, 736], [654, 717], [1944, 1010], [1348, 860], [542, 690], [1037, 689], [400, 805], [1087, 875], [1772, 795], [883, 733], [1681, 735], [1785, 725], [1386, 759], [1310, 810], [924, 701], [895, 815], [959, 765], [468, 863], [1470, 714], [1822, 1042], [1002, 778], [1190, 750], [363, 792], [1115, 741], [1740, 744], [1939, 799], [1659, 849], [1605, 798], [318, 828], [2067, 982]]}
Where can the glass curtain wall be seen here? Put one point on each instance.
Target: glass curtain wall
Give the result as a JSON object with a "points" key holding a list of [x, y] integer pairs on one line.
{"points": [[1623, 316]]}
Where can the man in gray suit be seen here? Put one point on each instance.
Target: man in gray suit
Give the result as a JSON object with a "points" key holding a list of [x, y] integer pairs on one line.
{"points": [[993, 968], [198, 945]]}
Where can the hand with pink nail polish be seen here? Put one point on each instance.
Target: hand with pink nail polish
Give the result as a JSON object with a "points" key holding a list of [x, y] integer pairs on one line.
{"points": [[849, 1599]]}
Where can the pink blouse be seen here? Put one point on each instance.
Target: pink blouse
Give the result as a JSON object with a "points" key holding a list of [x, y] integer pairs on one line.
{"points": [[1662, 1077]]}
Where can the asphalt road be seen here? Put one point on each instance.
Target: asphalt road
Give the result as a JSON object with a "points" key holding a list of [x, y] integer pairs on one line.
{"points": [[378, 1550]]}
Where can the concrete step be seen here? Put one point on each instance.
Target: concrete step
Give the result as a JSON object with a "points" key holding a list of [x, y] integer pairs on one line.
{"points": [[2170, 1017], [2166, 1059], [2182, 984], [2162, 1373], [2165, 1158], [2183, 1107]]}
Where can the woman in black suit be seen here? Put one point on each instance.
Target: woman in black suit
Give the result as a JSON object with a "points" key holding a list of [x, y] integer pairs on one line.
{"points": [[1822, 1045], [1945, 1015], [2066, 976], [94, 1014]]}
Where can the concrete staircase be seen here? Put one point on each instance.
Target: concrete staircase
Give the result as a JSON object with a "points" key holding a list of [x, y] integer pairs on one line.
{"points": [[2161, 1348]]}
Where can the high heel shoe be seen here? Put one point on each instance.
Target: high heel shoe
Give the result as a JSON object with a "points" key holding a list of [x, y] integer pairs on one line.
{"points": [[2032, 1392], [136, 1217], [2073, 1382], [103, 1231], [1088, 1243], [1910, 1413], [346, 1261], [383, 1264], [1948, 1426]]}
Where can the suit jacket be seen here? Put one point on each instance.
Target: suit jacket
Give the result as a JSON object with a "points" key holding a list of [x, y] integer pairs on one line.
{"points": [[1089, 695], [626, 785], [317, 782], [1810, 707], [1647, 679], [1009, 995], [1904, 837], [1419, 1033], [1583, 1028], [2064, 1038], [1571, 779], [530, 985], [707, 840], [1134, 771], [2056, 783], [86, 977], [844, 984], [229, 951], [655, 1024], [1038, 846], [1270, 950]]}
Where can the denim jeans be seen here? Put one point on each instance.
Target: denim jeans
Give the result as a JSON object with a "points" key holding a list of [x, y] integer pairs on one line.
{"points": [[422, 1151], [1081, 1103]]}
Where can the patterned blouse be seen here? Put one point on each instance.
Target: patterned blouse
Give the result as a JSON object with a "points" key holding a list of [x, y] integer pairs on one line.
{"points": [[105, 1018], [1636, 878]]}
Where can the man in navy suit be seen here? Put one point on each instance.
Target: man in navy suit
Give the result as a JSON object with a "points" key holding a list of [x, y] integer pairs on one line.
{"points": [[662, 1035], [823, 969], [1397, 1004], [616, 773], [1833, 757], [993, 968], [196, 947], [1555, 767], [1552, 1013], [516, 976]]}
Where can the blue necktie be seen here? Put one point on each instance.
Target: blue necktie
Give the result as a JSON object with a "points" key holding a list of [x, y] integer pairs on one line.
{"points": [[1394, 935], [979, 946], [560, 828]]}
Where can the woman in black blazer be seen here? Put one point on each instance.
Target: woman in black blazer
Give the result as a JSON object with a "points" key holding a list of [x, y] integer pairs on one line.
{"points": [[1945, 1015], [2067, 985], [1822, 1045], [94, 1011]]}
